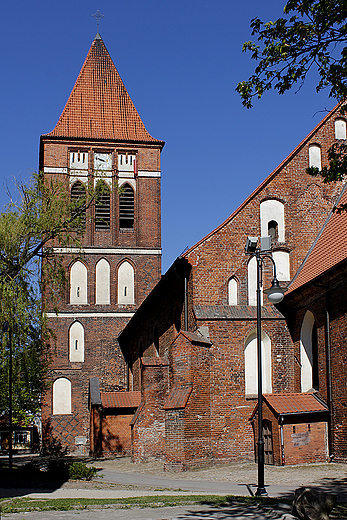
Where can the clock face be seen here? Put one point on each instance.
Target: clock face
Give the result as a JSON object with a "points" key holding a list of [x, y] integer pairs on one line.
{"points": [[102, 161]]}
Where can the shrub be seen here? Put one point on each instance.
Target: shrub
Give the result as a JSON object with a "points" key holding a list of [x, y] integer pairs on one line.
{"points": [[79, 470]]}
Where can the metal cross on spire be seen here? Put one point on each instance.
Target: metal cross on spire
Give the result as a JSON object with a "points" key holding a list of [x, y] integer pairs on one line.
{"points": [[98, 17]]}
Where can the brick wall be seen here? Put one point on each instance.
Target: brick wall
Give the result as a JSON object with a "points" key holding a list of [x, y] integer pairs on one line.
{"points": [[326, 295], [148, 425]]}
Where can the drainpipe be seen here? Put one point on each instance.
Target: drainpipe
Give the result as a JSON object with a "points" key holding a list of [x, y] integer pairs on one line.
{"points": [[329, 396], [282, 442]]}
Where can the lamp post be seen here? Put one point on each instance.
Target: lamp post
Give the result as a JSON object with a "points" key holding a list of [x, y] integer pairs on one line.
{"points": [[6, 328], [275, 295]]}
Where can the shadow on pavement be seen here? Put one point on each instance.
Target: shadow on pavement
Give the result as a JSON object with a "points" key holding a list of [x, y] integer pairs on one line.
{"points": [[32, 474]]}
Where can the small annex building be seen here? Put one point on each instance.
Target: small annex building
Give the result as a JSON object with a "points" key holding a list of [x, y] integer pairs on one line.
{"points": [[191, 345], [295, 428], [110, 417]]}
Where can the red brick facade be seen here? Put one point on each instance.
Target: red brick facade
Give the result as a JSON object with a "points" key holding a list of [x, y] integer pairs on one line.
{"points": [[193, 296], [100, 121]]}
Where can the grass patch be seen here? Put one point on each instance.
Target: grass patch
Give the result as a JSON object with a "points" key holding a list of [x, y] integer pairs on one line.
{"points": [[21, 505]]}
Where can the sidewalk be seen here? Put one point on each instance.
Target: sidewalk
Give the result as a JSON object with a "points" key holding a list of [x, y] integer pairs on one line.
{"points": [[122, 479]]}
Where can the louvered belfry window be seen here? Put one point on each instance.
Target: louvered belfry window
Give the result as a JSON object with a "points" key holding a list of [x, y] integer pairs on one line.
{"points": [[78, 193], [126, 207], [102, 208]]}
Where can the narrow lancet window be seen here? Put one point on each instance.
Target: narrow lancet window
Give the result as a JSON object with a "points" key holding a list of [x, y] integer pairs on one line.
{"points": [[126, 207]]}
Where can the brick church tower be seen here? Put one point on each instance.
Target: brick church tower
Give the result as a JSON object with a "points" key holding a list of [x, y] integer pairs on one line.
{"points": [[100, 134]]}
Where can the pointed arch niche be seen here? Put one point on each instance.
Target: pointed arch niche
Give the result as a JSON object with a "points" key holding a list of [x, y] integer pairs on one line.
{"points": [[232, 291], [102, 282], [61, 396], [76, 342], [309, 353], [78, 284], [251, 365], [272, 219], [126, 284]]}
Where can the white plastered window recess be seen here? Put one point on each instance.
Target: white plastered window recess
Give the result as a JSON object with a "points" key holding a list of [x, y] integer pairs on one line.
{"points": [[272, 220], [251, 366], [76, 342], [62, 396], [340, 129], [308, 353], [282, 259], [126, 282], [102, 287], [314, 154], [78, 284], [252, 282], [232, 291]]}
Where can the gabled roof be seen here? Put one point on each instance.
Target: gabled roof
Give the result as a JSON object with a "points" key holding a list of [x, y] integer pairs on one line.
{"points": [[291, 404], [295, 403], [99, 106], [328, 250], [120, 399]]}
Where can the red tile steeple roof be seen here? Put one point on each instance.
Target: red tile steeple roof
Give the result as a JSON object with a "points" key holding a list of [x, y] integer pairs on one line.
{"points": [[99, 106]]}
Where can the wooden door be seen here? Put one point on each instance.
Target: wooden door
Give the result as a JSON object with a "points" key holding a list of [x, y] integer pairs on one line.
{"points": [[267, 436]]}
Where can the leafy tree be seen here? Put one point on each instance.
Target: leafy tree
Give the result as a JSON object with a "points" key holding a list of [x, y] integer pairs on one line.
{"points": [[43, 215], [311, 34]]}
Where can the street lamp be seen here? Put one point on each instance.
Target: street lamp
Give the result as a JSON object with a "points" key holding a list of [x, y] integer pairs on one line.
{"points": [[275, 295], [6, 328]]}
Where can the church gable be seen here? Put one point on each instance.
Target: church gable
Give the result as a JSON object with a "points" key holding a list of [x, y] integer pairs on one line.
{"points": [[290, 206]]}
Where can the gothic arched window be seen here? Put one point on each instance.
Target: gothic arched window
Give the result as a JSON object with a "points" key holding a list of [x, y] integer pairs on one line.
{"points": [[102, 207], [78, 196], [272, 230], [126, 207]]}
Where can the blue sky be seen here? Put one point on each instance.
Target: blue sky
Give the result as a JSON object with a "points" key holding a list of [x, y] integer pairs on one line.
{"points": [[180, 62]]}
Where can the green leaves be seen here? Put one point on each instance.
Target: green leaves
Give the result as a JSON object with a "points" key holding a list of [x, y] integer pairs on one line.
{"points": [[314, 36], [42, 217]]}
